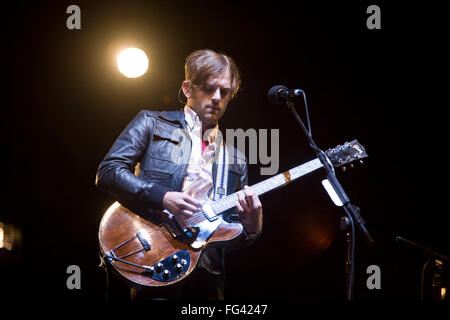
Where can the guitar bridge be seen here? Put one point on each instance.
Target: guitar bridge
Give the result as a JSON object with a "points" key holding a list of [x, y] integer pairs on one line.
{"points": [[173, 227], [186, 235]]}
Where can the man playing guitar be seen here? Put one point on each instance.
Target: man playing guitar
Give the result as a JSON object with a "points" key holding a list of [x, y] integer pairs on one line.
{"points": [[152, 167]]}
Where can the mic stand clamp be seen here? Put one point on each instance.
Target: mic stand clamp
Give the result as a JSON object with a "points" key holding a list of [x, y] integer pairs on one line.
{"points": [[345, 226], [350, 209]]}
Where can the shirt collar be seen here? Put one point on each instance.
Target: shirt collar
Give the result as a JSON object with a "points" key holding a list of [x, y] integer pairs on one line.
{"points": [[191, 117]]}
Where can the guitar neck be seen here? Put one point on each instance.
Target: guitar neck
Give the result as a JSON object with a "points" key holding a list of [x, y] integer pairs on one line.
{"points": [[267, 185]]}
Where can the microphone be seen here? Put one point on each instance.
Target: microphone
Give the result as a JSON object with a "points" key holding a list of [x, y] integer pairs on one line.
{"points": [[278, 94]]}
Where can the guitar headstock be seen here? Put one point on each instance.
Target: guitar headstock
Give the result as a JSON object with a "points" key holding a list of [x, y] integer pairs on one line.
{"points": [[347, 153]]}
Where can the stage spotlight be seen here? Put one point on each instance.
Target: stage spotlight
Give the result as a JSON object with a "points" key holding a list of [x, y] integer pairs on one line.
{"points": [[10, 236], [132, 62]]}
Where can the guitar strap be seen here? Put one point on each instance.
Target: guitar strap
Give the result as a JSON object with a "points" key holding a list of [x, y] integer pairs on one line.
{"points": [[220, 189]]}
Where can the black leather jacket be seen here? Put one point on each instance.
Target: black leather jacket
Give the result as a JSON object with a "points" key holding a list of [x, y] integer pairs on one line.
{"points": [[149, 158]]}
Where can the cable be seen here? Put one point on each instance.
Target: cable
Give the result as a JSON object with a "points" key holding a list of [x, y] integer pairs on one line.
{"points": [[308, 132], [307, 112], [422, 279]]}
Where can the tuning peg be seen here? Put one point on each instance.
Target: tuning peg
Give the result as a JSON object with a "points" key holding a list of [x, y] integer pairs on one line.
{"points": [[352, 165], [361, 162], [344, 168]]}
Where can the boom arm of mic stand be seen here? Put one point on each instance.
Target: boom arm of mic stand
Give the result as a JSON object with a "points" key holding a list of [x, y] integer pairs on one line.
{"points": [[349, 208]]}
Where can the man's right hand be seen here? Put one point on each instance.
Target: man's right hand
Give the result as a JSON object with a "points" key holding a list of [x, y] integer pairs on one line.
{"points": [[179, 203]]}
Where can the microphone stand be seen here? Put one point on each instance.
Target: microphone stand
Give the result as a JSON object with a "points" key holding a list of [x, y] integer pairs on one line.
{"points": [[351, 210], [438, 262]]}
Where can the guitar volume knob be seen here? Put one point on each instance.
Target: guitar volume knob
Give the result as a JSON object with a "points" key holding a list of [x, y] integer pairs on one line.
{"points": [[166, 274], [175, 259], [149, 270], [159, 266]]}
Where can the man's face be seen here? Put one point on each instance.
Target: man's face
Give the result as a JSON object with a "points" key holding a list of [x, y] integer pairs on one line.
{"points": [[210, 100]]}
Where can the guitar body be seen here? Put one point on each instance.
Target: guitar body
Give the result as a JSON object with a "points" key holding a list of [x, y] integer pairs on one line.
{"points": [[117, 233]]}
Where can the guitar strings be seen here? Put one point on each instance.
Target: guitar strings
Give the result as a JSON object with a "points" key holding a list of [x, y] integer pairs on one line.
{"points": [[231, 200]]}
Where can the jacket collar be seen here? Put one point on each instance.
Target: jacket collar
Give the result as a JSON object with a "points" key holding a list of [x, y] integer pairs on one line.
{"points": [[176, 116]]}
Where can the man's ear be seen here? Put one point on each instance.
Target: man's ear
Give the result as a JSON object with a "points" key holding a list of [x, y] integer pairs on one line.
{"points": [[187, 88]]}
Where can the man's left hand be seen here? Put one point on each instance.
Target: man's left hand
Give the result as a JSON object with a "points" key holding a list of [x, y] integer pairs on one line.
{"points": [[250, 210]]}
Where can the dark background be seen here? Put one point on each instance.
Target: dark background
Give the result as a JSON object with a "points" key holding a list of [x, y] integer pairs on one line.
{"points": [[66, 102]]}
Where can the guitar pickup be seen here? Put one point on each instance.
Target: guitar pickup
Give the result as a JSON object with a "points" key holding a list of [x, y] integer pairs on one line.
{"points": [[209, 212], [143, 241]]}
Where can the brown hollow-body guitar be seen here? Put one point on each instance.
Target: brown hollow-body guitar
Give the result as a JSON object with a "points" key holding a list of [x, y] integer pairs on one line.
{"points": [[149, 254]]}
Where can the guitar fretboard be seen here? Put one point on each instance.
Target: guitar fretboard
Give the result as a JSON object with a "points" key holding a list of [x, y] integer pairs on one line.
{"points": [[267, 185]]}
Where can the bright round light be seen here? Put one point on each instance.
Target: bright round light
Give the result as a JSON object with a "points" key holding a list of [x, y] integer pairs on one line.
{"points": [[132, 62]]}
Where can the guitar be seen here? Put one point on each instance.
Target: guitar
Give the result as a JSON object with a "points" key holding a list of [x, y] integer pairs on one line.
{"points": [[152, 254]]}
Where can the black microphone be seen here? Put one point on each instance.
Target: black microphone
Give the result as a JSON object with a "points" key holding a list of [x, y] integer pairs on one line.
{"points": [[279, 94]]}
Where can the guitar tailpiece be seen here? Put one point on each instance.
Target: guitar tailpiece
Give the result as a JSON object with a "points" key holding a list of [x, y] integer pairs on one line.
{"points": [[168, 269]]}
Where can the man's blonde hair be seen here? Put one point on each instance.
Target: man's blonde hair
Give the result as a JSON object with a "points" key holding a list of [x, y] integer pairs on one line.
{"points": [[202, 64]]}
